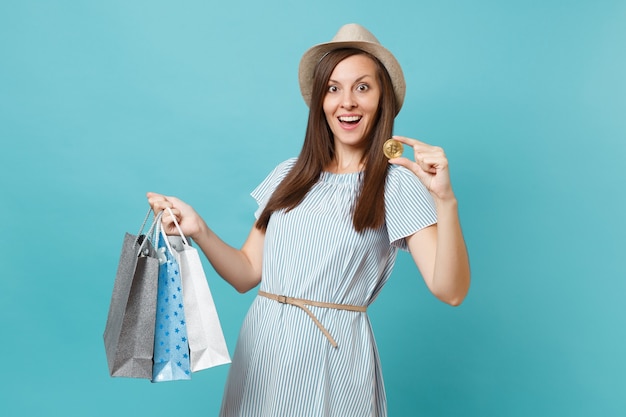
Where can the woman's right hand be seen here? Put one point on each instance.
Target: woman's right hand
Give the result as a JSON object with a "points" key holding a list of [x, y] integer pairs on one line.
{"points": [[189, 221]]}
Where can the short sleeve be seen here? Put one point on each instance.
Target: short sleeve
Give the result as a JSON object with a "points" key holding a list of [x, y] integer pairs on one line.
{"points": [[409, 207], [265, 189]]}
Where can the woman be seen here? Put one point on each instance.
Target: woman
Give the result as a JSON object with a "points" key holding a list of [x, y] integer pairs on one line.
{"points": [[328, 228]]}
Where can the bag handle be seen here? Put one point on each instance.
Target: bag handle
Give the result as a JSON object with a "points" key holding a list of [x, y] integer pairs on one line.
{"points": [[180, 231], [158, 229], [153, 229], [165, 238], [145, 220]]}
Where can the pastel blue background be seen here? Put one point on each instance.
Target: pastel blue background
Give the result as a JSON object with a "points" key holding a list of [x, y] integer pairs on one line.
{"points": [[101, 101]]}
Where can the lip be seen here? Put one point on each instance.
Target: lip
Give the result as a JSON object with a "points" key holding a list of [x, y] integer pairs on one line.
{"points": [[349, 126]]}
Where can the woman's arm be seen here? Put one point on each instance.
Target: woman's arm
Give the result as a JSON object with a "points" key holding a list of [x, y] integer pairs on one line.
{"points": [[439, 251], [440, 254], [241, 268]]}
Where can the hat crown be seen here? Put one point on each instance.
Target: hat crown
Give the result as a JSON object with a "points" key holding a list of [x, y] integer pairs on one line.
{"points": [[353, 32]]}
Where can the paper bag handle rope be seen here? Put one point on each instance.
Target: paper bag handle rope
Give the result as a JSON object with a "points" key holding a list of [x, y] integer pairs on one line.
{"points": [[180, 231], [145, 220], [153, 227]]}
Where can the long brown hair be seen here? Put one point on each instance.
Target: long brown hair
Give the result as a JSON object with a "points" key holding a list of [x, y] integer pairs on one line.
{"points": [[318, 150]]}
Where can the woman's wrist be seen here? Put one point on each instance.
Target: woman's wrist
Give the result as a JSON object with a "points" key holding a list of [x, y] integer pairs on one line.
{"points": [[446, 204], [202, 232]]}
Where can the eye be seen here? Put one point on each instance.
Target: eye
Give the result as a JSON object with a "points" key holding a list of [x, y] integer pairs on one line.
{"points": [[362, 87], [333, 89]]}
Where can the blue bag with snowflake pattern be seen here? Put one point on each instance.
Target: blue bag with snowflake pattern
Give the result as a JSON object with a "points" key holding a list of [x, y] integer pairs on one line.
{"points": [[171, 347]]}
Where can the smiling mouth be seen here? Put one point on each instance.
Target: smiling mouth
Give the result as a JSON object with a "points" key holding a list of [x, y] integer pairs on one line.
{"points": [[350, 119]]}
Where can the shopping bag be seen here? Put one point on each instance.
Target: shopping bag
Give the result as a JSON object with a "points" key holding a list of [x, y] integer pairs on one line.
{"points": [[171, 346], [129, 331], [206, 340]]}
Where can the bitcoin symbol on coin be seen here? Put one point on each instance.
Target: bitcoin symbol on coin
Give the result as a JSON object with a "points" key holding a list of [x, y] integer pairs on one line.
{"points": [[392, 148]]}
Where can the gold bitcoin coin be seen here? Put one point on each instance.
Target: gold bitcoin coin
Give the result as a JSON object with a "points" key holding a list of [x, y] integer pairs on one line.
{"points": [[392, 148]]}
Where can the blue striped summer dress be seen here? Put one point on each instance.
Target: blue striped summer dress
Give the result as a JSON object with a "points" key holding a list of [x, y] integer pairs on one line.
{"points": [[283, 364]]}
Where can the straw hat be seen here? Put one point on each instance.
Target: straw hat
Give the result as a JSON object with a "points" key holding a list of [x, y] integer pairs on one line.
{"points": [[351, 36]]}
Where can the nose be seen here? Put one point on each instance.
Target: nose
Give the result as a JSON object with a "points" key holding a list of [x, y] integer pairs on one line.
{"points": [[348, 101]]}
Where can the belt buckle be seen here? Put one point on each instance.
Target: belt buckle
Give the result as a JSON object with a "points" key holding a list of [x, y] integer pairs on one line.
{"points": [[281, 299]]}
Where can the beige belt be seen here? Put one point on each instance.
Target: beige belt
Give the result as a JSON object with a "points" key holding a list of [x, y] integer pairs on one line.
{"points": [[299, 302]]}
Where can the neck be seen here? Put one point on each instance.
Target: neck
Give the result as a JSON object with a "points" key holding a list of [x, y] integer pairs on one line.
{"points": [[345, 164]]}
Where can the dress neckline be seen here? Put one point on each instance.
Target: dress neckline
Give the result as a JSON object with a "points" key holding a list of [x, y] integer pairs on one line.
{"points": [[345, 177]]}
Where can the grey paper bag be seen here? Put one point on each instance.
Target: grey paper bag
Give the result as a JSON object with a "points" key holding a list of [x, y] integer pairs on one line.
{"points": [[129, 332]]}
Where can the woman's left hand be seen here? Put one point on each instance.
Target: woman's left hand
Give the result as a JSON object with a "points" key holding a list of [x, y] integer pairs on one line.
{"points": [[430, 166]]}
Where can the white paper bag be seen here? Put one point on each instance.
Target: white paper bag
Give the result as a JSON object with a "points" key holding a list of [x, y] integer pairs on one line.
{"points": [[206, 340], [207, 345]]}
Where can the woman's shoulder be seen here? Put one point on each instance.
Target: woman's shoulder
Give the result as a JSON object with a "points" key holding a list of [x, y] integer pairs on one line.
{"points": [[403, 182], [287, 164], [281, 170], [273, 179], [399, 174]]}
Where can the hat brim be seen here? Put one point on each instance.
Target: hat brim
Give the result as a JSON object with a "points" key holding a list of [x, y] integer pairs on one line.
{"points": [[312, 57]]}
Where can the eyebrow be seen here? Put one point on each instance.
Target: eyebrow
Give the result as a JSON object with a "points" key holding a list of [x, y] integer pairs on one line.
{"points": [[355, 81]]}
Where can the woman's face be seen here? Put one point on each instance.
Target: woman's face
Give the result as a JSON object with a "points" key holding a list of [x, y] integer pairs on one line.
{"points": [[351, 101]]}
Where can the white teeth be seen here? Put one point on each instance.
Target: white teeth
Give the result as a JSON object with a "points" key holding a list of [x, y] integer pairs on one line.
{"points": [[350, 118]]}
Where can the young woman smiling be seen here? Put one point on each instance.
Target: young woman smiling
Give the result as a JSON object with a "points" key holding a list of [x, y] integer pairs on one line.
{"points": [[325, 240]]}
